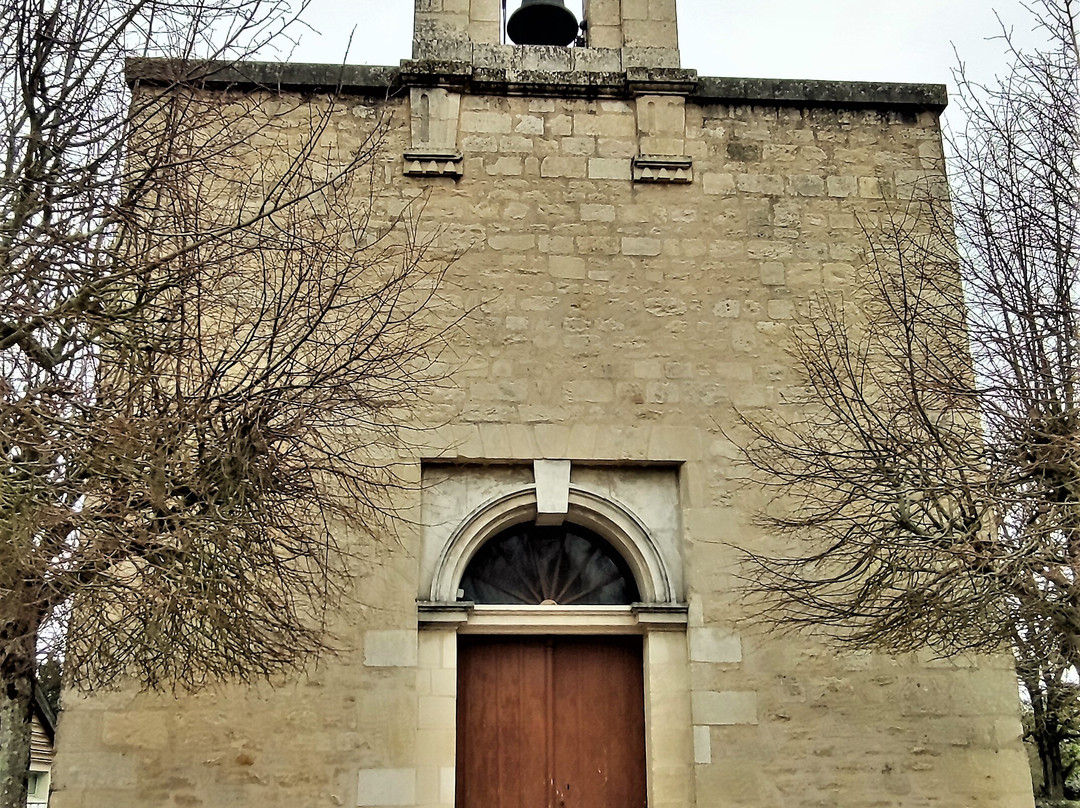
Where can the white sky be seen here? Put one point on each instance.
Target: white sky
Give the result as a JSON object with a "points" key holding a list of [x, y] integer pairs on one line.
{"points": [[859, 40]]}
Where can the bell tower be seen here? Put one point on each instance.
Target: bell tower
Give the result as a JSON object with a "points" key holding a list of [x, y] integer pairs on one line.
{"points": [[617, 34], [634, 24], [625, 49]]}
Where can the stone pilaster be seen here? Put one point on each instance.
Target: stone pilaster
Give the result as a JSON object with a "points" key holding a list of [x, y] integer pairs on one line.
{"points": [[433, 116], [661, 129]]}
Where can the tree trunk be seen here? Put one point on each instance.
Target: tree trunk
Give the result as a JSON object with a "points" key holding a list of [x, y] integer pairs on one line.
{"points": [[16, 693], [1053, 770], [1048, 738]]}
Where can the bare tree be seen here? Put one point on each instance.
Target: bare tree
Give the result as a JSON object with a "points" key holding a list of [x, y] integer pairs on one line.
{"points": [[208, 332], [929, 482], [1052, 712]]}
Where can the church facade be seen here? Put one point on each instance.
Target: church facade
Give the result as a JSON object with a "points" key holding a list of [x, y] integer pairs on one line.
{"points": [[560, 625]]}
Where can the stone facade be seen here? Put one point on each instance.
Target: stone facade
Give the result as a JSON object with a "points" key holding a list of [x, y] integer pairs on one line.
{"points": [[637, 241]]}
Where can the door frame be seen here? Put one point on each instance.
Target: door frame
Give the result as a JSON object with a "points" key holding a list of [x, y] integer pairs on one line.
{"points": [[669, 755], [661, 619]]}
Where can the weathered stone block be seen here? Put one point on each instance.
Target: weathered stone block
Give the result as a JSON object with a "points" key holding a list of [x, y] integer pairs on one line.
{"points": [[486, 122], [729, 308], [552, 490], [390, 649], [484, 11], [565, 266], [702, 745], [780, 309], [135, 730], [386, 787], [773, 274], [529, 125], [485, 32], [870, 188], [641, 246], [662, 10], [718, 184], [605, 41], [765, 184], [512, 241], [585, 146], [603, 13], [714, 645], [436, 712], [615, 147], [589, 391], [604, 124], [597, 213], [604, 168], [724, 708], [842, 187], [505, 167], [638, 55], [556, 244], [651, 34], [563, 167]]}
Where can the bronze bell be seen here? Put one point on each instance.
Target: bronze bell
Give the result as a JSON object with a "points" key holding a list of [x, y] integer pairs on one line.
{"points": [[542, 22]]}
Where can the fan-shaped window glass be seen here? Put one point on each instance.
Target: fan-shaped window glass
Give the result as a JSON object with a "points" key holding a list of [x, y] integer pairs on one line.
{"points": [[533, 565]]}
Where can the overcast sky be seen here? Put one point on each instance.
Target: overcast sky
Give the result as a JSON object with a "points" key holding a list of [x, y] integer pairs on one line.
{"points": [[859, 40]]}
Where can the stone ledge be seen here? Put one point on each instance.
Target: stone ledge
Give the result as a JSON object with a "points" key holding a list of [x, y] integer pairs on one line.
{"points": [[443, 614], [463, 615], [356, 79], [433, 163], [373, 80], [662, 168], [796, 92]]}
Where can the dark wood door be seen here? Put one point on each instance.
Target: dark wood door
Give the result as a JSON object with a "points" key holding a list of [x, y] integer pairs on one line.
{"points": [[550, 722]]}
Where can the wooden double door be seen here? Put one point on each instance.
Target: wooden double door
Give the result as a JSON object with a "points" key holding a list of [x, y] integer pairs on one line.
{"points": [[550, 722]]}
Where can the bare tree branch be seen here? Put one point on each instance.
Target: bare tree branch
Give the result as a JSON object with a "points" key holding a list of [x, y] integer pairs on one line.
{"points": [[210, 332], [928, 484]]}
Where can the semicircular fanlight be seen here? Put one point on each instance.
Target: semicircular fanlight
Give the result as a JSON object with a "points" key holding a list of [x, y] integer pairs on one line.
{"points": [[565, 565]]}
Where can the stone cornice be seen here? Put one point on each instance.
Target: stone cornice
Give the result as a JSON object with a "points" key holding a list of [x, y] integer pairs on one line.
{"points": [[462, 77], [804, 93], [289, 77]]}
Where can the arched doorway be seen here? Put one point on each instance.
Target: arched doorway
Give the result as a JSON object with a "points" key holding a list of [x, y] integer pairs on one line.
{"points": [[626, 517], [550, 721]]}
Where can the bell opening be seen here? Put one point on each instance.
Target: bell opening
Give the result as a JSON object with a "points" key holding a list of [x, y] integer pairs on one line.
{"points": [[543, 22]]}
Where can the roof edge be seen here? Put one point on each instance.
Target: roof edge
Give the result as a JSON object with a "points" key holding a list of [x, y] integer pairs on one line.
{"points": [[44, 711], [800, 92], [382, 80], [285, 76]]}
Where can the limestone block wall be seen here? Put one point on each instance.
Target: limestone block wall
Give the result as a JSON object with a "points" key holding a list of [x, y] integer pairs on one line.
{"points": [[618, 324]]}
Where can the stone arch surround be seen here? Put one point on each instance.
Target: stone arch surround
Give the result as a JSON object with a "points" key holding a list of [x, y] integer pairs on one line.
{"points": [[632, 506], [600, 513]]}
